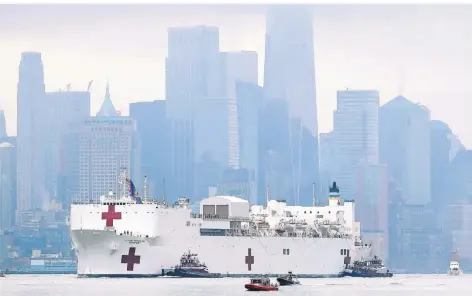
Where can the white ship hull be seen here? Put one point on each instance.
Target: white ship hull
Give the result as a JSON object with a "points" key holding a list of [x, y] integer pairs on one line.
{"points": [[126, 237], [100, 253]]}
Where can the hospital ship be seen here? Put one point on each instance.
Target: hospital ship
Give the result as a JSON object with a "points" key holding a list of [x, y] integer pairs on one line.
{"points": [[127, 235]]}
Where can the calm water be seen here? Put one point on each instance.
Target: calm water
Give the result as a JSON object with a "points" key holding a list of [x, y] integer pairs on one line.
{"points": [[70, 285]]}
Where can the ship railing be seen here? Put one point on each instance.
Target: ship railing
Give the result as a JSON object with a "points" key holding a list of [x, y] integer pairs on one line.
{"points": [[270, 233], [362, 244], [81, 201], [220, 218]]}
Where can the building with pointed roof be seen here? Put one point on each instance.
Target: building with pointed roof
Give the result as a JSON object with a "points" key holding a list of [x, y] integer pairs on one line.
{"points": [[105, 146], [107, 109]]}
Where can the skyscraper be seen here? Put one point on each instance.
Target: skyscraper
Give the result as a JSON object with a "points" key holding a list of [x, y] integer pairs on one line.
{"points": [[7, 185], [249, 98], [104, 149], [3, 127], [289, 75], [372, 205], [192, 75], [440, 147], [326, 165], [404, 145], [30, 129], [238, 67], [153, 143], [107, 108], [356, 136], [66, 108]]}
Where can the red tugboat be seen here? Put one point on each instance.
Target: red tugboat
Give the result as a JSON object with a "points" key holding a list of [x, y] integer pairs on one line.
{"points": [[261, 283]]}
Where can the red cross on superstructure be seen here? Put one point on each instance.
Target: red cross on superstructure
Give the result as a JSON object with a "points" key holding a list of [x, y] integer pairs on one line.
{"points": [[131, 259], [249, 259], [111, 215]]}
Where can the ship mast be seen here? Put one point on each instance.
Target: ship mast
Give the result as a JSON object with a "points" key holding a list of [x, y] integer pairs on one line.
{"points": [[145, 188], [454, 255], [164, 189], [314, 195], [123, 182], [267, 195]]}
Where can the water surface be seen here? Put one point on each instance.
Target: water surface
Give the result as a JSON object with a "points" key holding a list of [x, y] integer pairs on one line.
{"points": [[70, 285]]}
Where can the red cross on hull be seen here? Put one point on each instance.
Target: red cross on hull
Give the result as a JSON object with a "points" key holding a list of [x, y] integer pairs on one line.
{"points": [[131, 259], [249, 259], [111, 215]]}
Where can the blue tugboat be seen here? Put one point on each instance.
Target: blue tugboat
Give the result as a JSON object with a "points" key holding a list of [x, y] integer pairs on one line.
{"points": [[190, 267], [288, 280], [367, 268]]}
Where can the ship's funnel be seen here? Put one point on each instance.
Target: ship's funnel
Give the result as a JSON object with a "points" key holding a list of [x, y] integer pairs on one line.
{"points": [[334, 191]]}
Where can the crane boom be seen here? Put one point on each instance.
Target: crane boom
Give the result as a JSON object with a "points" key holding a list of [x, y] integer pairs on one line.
{"points": [[89, 85]]}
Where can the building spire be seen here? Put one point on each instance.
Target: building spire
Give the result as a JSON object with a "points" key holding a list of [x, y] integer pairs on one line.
{"points": [[107, 108]]}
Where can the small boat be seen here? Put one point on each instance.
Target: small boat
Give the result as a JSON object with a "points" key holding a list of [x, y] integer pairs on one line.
{"points": [[367, 268], [261, 283], [190, 267], [454, 268], [288, 280]]}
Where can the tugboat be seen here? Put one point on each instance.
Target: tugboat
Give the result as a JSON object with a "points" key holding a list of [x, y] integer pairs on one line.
{"points": [[367, 268], [190, 267], [261, 283], [288, 280], [454, 268]]}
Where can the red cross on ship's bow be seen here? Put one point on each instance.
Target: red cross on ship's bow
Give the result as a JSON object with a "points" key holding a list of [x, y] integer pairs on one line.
{"points": [[111, 215]]}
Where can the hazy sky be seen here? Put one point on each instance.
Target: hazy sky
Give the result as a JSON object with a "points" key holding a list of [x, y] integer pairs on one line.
{"points": [[421, 51]]}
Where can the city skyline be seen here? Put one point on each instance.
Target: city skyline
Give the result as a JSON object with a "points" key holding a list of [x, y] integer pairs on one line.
{"points": [[240, 125], [336, 67]]}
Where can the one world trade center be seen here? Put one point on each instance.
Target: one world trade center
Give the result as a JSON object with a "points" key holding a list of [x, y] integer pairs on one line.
{"points": [[290, 123]]}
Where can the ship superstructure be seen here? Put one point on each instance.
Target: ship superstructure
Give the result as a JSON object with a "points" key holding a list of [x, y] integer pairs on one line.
{"points": [[131, 236]]}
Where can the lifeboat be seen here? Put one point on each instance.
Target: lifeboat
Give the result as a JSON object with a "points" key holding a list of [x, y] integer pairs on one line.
{"points": [[261, 283]]}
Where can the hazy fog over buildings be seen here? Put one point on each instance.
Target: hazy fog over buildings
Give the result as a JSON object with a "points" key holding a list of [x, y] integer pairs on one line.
{"points": [[384, 47], [250, 101]]}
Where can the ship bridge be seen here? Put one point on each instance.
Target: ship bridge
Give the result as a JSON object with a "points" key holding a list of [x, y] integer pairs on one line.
{"points": [[220, 213]]}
